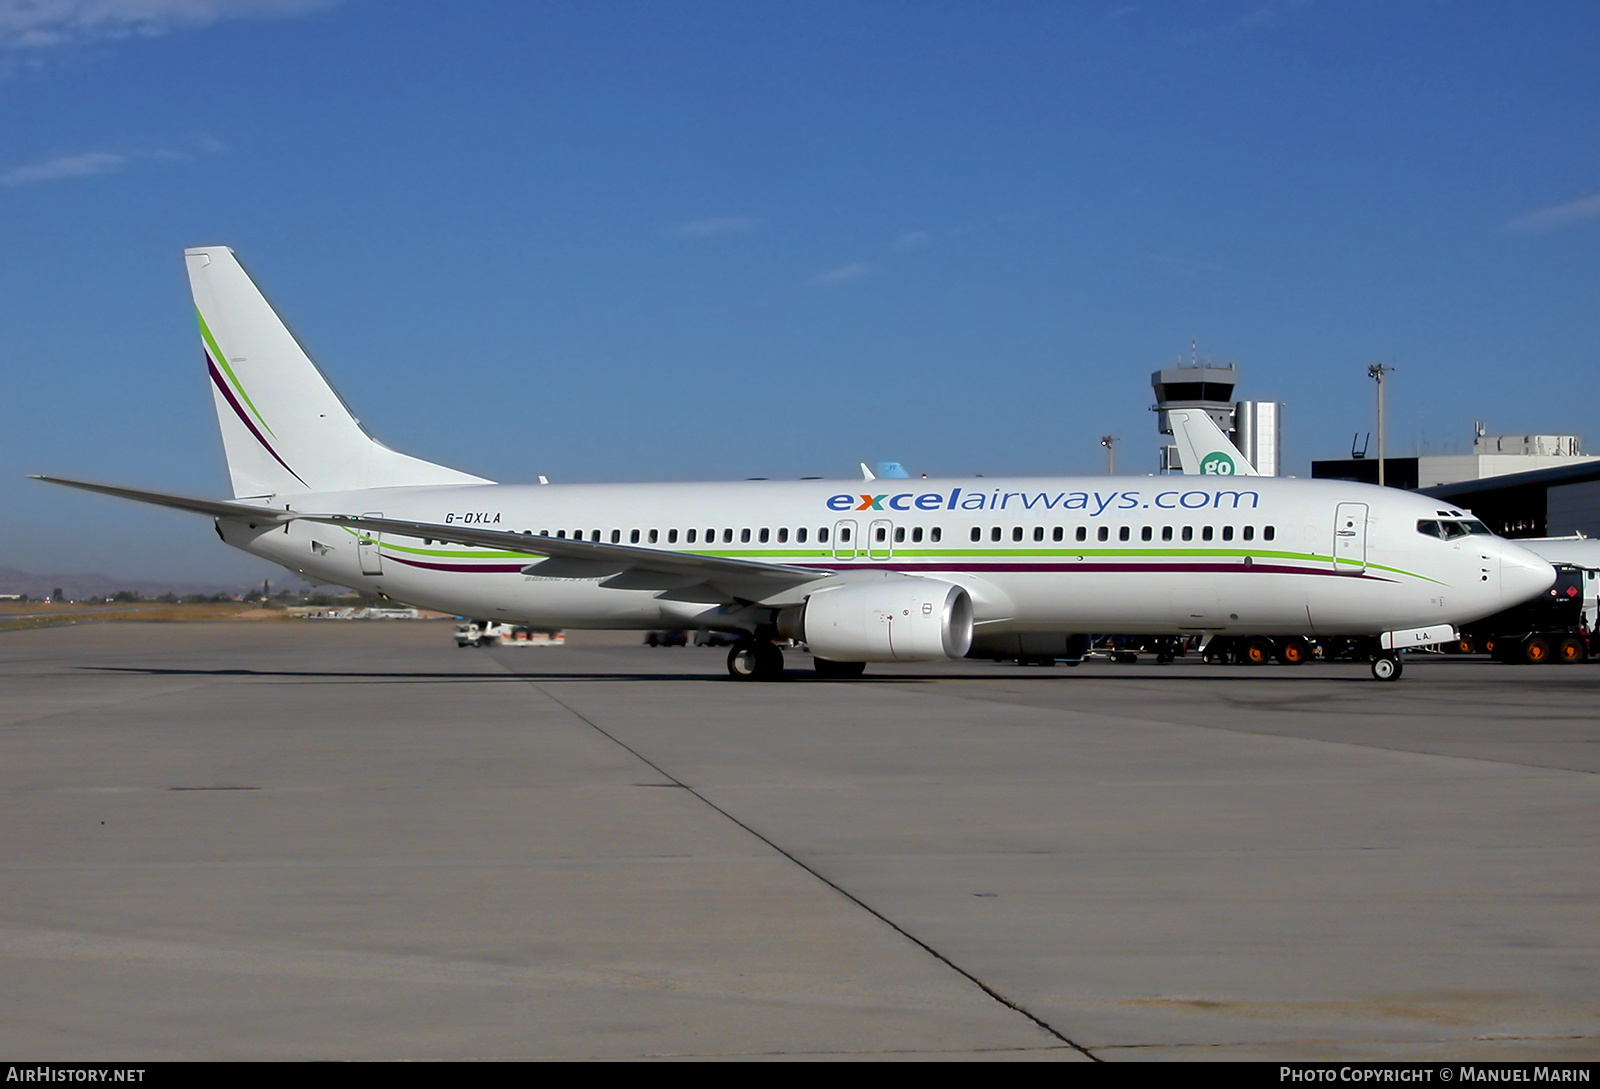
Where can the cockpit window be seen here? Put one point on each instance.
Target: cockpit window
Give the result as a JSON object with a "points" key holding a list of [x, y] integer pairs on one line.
{"points": [[1450, 530]]}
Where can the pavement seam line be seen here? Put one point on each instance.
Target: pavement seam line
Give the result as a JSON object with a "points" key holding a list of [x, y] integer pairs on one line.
{"points": [[856, 900]]}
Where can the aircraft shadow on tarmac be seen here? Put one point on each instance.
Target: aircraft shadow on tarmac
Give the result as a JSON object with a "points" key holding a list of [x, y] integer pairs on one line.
{"points": [[1224, 675]]}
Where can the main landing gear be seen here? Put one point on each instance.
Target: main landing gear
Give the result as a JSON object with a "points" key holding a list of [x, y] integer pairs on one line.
{"points": [[761, 660], [755, 660]]}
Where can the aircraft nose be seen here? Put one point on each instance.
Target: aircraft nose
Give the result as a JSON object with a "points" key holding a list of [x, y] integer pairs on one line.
{"points": [[1522, 574]]}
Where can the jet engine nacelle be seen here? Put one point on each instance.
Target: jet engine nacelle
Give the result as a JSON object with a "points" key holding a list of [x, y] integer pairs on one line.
{"points": [[897, 620]]}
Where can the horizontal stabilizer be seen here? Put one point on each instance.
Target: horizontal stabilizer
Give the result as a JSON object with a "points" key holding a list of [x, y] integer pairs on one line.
{"points": [[213, 507]]}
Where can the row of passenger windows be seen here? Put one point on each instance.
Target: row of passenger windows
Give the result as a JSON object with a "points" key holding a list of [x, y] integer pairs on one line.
{"points": [[782, 535], [1125, 533], [902, 535]]}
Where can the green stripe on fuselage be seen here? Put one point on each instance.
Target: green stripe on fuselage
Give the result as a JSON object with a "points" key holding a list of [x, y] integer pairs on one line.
{"points": [[789, 554]]}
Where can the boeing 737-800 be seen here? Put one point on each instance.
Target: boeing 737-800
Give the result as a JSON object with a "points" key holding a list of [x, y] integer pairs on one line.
{"points": [[868, 571]]}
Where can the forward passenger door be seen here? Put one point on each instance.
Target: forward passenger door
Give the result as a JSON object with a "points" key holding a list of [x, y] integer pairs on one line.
{"points": [[1350, 539]]}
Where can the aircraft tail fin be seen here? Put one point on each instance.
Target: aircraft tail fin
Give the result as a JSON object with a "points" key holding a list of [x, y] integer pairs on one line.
{"points": [[1203, 448], [284, 429]]}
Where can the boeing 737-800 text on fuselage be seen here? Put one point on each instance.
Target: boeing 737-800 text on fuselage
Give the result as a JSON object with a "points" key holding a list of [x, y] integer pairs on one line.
{"points": [[861, 571]]}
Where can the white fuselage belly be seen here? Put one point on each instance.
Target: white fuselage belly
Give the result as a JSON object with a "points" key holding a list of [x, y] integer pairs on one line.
{"points": [[1295, 574]]}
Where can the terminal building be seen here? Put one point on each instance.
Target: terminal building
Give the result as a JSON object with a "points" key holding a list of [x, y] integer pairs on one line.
{"points": [[1519, 485]]}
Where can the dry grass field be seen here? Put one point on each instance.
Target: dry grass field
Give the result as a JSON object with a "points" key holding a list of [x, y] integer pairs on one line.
{"points": [[43, 614]]}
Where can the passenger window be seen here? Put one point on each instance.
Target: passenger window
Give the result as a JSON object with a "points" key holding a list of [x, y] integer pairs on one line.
{"points": [[1249, 533], [1056, 534], [1268, 533], [938, 533], [977, 534], [878, 534], [1227, 533], [916, 535], [633, 536], [994, 534], [1206, 533], [1104, 534], [652, 536], [1124, 533], [727, 535], [1188, 533], [844, 533], [690, 537], [672, 536], [616, 536], [822, 535], [1083, 533], [1016, 533], [744, 536], [1146, 533], [783, 535], [899, 534], [1038, 533], [800, 535], [1166, 533], [765, 534]]}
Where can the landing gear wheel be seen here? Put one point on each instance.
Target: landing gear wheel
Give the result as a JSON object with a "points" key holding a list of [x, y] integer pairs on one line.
{"points": [[1387, 668], [755, 660], [828, 669]]}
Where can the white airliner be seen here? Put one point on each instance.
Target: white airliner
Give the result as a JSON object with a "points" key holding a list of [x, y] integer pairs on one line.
{"points": [[863, 571]]}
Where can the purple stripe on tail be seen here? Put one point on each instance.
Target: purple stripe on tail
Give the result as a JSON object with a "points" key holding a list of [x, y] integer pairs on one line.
{"points": [[216, 378]]}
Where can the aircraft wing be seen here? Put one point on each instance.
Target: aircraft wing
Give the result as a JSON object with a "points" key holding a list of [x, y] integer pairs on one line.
{"points": [[216, 508], [678, 574]]}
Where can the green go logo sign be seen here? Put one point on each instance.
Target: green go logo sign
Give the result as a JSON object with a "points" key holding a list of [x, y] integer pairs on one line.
{"points": [[1217, 464]]}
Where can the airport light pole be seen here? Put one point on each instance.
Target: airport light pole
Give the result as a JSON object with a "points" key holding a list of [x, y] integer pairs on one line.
{"points": [[1376, 372], [1111, 454]]}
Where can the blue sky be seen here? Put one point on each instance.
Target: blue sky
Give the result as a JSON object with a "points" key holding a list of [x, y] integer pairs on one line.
{"points": [[690, 240]]}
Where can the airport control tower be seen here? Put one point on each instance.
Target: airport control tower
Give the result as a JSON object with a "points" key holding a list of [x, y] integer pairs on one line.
{"points": [[1252, 425]]}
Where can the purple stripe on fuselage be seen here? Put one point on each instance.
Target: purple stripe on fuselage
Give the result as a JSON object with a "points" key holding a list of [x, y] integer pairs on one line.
{"points": [[216, 378], [494, 568], [974, 568], [1258, 567]]}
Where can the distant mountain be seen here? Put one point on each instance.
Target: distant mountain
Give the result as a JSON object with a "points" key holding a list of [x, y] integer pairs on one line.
{"points": [[79, 586]]}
